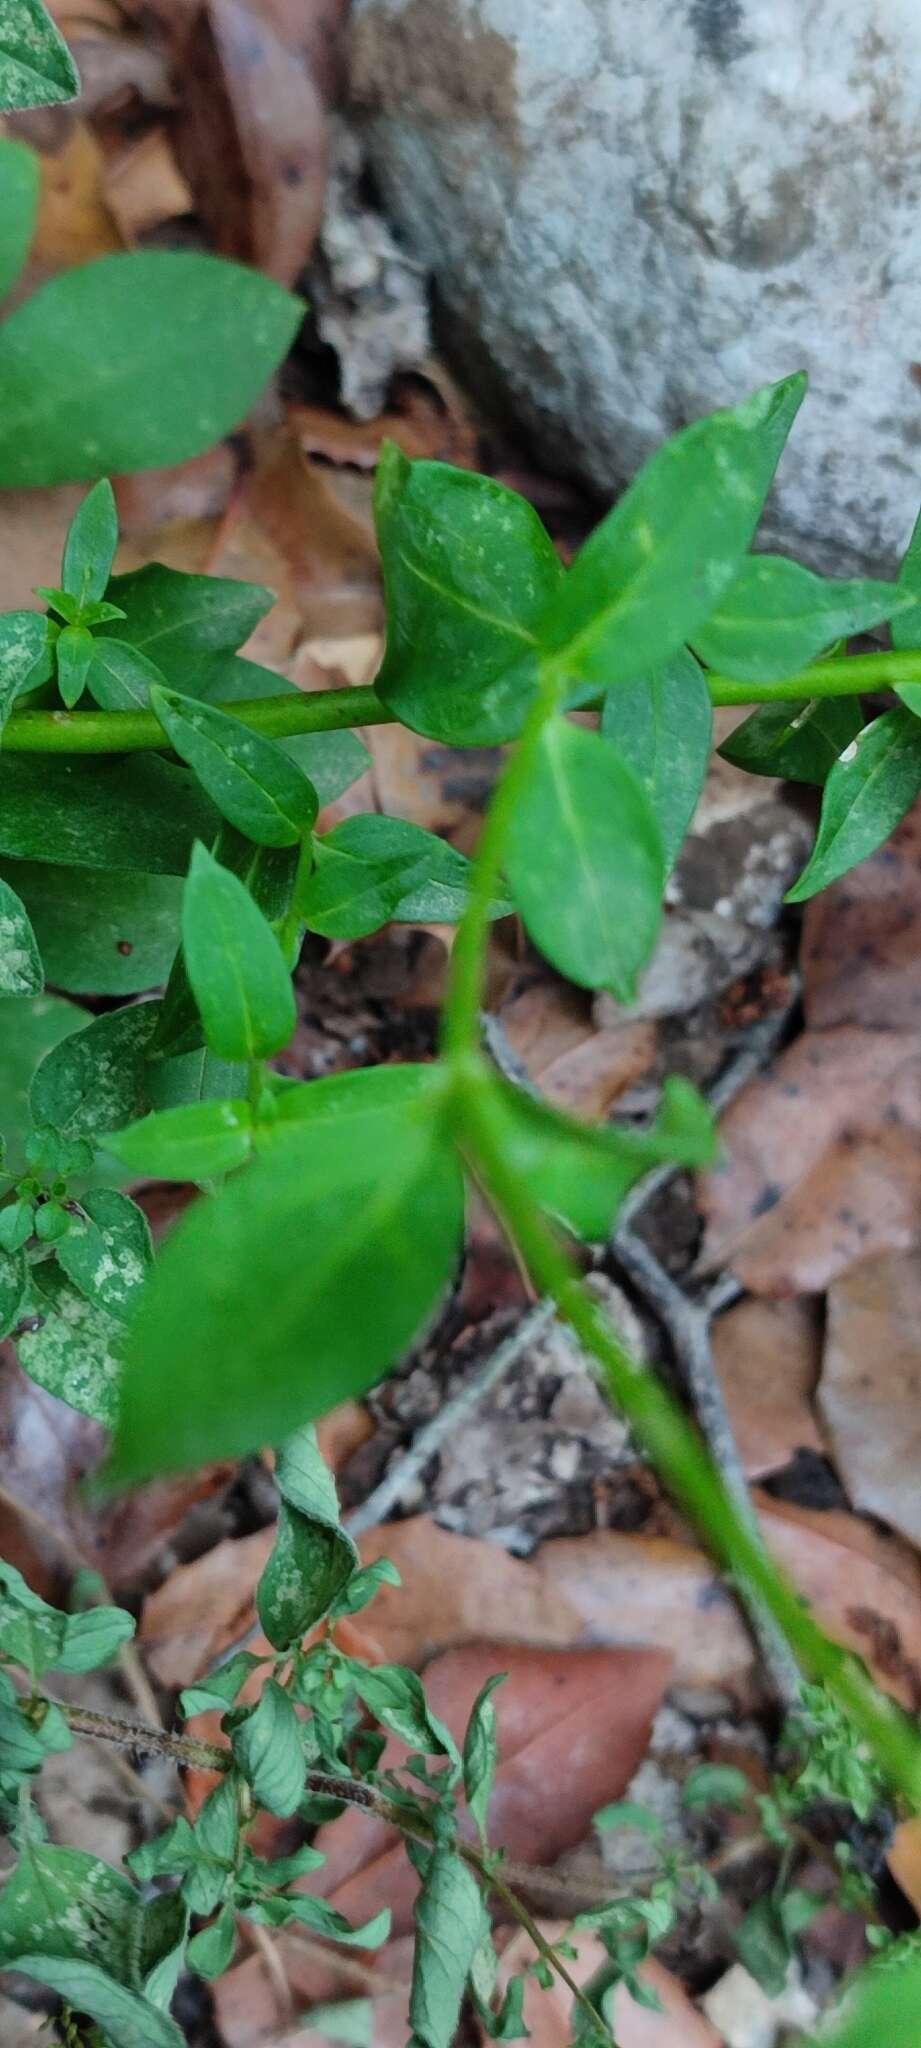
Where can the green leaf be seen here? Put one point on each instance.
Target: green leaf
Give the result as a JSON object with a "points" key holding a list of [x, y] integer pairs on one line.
{"points": [[196, 1141], [269, 1749], [93, 1639], [127, 2019], [73, 1349], [581, 1172], [79, 361], [663, 728], [21, 1749], [481, 1754], [777, 616], [211, 1951], [107, 1251], [468, 569], [25, 657], [396, 1698], [800, 740], [219, 1688], [164, 1936], [30, 1027], [765, 1946], [449, 1925], [627, 1813], [906, 625], [235, 964], [364, 1585], [249, 778], [20, 961], [19, 190], [370, 870], [585, 861], [195, 1077], [113, 936], [119, 677], [218, 1371], [868, 792], [350, 2020], [882, 2005], [313, 1558], [96, 1080], [14, 1281], [320, 1918], [348, 1107], [73, 655], [31, 1632], [660, 562], [89, 550], [65, 1904], [716, 1785], [173, 617], [331, 760], [36, 67], [139, 813]]}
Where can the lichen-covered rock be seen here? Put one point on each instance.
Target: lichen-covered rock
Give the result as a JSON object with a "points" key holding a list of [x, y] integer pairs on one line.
{"points": [[636, 213]]}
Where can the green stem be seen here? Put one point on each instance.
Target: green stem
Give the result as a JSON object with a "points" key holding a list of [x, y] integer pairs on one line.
{"points": [[133, 732], [675, 1449]]}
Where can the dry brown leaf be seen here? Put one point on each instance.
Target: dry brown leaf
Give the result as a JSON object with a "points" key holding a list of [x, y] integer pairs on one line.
{"points": [[247, 2004], [74, 222], [548, 2014], [823, 1163], [573, 1727], [191, 493], [871, 1383], [251, 138], [767, 1357], [865, 1588], [309, 533], [202, 1607], [143, 186], [579, 1066], [904, 1859]]}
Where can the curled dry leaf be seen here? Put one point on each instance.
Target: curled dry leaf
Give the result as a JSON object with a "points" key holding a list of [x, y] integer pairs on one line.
{"points": [[822, 1160], [871, 1383], [767, 1357], [252, 138], [548, 2014]]}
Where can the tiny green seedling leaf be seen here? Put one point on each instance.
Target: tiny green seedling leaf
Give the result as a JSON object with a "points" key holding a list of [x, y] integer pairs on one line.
{"points": [[585, 861], [869, 790], [235, 964], [196, 1141], [800, 741], [269, 1750], [36, 67], [777, 616], [21, 972], [468, 569], [19, 190], [73, 654], [663, 728], [251, 780], [89, 550]]}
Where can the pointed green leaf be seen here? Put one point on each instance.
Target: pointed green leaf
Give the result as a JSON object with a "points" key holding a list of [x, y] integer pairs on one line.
{"points": [[96, 1080], [66, 1904], [313, 1558], [219, 1688], [663, 728], [268, 873], [396, 1698], [581, 1172], [777, 616], [89, 550], [36, 67], [120, 677], [93, 1639], [19, 189], [112, 937], [906, 625], [196, 1141], [269, 1749], [73, 655], [266, 1346], [235, 964], [359, 1106], [31, 1632], [468, 568], [127, 2019], [139, 813], [370, 870], [481, 1754], [450, 1918], [211, 1951], [79, 360], [173, 617], [107, 1251], [331, 760], [660, 562], [25, 656], [21, 1747], [869, 790], [799, 740], [249, 778], [585, 861], [72, 1348], [21, 971]]}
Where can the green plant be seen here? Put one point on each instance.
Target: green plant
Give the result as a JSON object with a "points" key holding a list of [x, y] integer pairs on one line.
{"points": [[332, 1214], [81, 359]]}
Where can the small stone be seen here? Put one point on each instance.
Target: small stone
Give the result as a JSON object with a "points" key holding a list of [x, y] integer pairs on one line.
{"points": [[746, 2017]]}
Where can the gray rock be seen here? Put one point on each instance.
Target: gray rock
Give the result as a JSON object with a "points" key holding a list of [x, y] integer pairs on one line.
{"points": [[636, 213]]}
